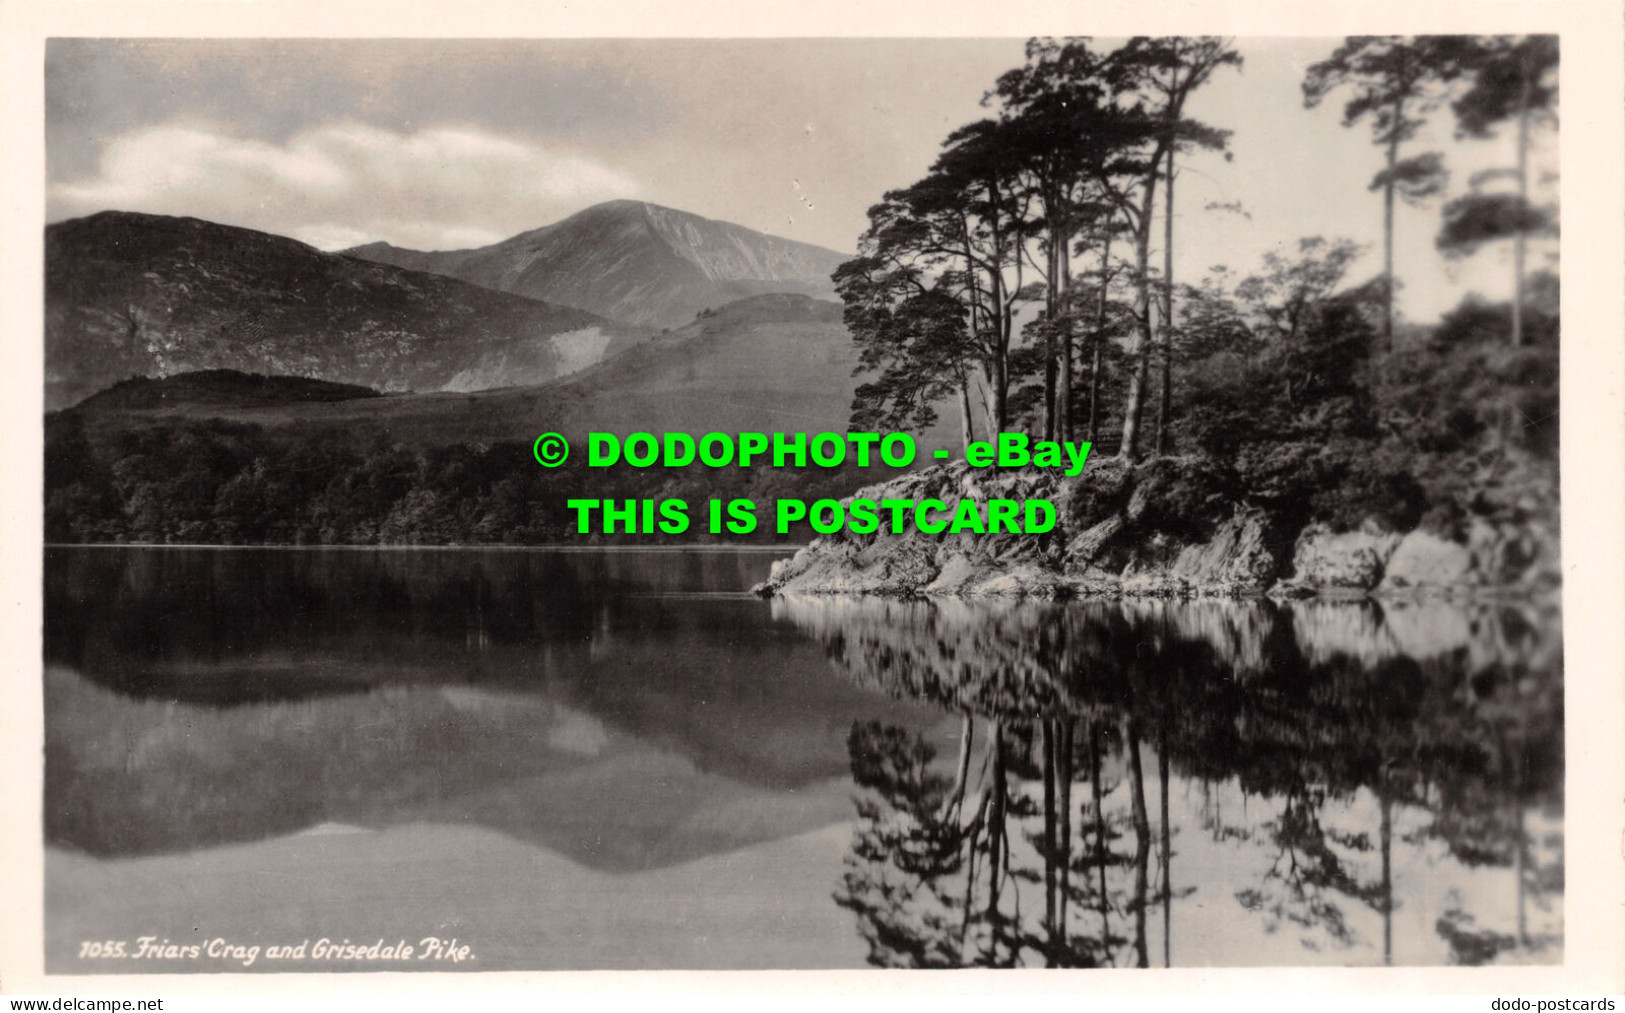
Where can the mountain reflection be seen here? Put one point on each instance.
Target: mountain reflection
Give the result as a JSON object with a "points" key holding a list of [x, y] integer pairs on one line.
{"points": [[201, 698], [1091, 784], [1304, 756]]}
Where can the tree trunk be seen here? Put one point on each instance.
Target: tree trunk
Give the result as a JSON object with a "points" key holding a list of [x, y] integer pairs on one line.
{"points": [[1386, 833], [1388, 229], [1145, 336], [1167, 857], [1520, 238], [1165, 406], [1052, 272], [1064, 403], [1001, 384], [1134, 398], [967, 427], [1100, 840], [1046, 730], [1142, 844], [1099, 338]]}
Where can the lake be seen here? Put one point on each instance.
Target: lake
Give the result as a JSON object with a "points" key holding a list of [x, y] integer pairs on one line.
{"points": [[296, 760]]}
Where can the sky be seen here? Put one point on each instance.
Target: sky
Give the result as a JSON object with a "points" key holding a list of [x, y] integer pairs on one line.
{"points": [[448, 144]]}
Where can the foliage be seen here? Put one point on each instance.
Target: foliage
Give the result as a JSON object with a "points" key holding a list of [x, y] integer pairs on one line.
{"points": [[227, 483], [1509, 74], [1474, 219], [1414, 179]]}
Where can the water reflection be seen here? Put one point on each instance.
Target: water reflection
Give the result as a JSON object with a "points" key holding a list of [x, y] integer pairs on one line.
{"points": [[619, 760], [1328, 747], [200, 698]]}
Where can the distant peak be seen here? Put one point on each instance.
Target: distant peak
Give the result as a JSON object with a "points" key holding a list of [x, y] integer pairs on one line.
{"points": [[617, 208]]}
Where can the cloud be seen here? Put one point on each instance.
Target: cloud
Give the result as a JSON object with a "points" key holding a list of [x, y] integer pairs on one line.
{"points": [[340, 184]]}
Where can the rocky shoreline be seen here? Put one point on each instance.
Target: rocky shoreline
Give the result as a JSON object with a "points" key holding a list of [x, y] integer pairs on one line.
{"points": [[1127, 531]]}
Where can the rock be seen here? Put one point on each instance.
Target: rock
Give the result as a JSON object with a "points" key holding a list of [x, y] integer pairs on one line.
{"points": [[1354, 560], [1238, 554], [957, 575], [1083, 549], [1023, 581], [1425, 560], [1236, 560]]}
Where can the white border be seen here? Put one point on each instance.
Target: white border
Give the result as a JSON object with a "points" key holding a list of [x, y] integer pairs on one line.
{"points": [[1593, 458]]}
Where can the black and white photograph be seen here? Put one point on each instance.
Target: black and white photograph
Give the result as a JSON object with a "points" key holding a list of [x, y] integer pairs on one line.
{"points": [[1213, 618]]}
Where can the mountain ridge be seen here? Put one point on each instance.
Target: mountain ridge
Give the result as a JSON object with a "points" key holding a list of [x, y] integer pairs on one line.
{"points": [[132, 294], [633, 261]]}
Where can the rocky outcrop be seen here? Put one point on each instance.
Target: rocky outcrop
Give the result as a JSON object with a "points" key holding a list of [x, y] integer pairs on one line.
{"points": [[1134, 532], [911, 562], [1103, 545], [1500, 556], [1424, 559], [1325, 560], [1238, 559]]}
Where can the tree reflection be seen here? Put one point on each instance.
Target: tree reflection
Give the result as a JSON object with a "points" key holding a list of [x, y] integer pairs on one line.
{"points": [[1361, 743]]}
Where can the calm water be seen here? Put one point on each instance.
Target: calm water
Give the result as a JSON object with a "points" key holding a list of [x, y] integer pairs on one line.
{"points": [[615, 759]]}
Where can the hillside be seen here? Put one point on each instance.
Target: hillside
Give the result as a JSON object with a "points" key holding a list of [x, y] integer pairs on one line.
{"points": [[229, 464], [148, 295], [632, 261], [768, 363], [771, 362]]}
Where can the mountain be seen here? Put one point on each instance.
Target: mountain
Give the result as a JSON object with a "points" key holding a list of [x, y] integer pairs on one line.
{"points": [[148, 295], [632, 261], [224, 458], [770, 363]]}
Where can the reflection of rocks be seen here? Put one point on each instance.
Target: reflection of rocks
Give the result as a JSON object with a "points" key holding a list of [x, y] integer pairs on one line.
{"points": [[1359, 742], [1020, 656], [1325, 629], [977, 656], [1237, 632]]}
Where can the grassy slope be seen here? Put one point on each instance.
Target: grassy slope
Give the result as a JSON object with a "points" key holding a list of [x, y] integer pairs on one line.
{"points": [[769, 363], [147, 295]]}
